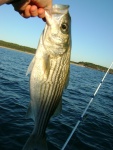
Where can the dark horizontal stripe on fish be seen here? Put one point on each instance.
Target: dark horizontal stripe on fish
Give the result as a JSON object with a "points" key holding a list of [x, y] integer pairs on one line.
{"points": [[56, 96], [49, 109]]}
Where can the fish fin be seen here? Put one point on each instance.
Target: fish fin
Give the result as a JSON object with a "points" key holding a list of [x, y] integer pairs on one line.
{"points": [[30, 67], [67, 80], [34, 144], [45, 67], [29, 113], [58, 109]]}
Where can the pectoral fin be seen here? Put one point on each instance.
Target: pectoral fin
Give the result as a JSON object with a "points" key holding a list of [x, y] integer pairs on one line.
{"points": [[44, 67], [30, 66]]}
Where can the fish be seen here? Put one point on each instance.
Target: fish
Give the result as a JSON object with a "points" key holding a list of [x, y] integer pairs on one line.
{"points": [[49, 74]]}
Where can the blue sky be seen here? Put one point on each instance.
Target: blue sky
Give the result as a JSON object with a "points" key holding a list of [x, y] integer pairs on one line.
{"points": [[92, 29]]}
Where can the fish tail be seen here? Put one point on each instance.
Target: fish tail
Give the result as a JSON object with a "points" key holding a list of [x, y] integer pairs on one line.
{"points": [[34, 144]]}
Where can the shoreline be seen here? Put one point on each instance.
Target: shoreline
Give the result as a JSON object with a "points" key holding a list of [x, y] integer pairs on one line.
{"points": [[77, 64], [16, 50], [71, 62]]}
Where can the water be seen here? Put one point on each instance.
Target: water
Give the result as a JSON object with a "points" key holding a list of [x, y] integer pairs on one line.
{"points": [[94, 133]]}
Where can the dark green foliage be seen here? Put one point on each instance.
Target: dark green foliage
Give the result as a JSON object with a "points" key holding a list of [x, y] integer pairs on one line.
{"points": [[17, 47], [93, 66]]}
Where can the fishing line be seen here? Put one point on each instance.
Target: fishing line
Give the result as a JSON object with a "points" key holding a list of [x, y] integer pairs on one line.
{"points": [[82, 116]]}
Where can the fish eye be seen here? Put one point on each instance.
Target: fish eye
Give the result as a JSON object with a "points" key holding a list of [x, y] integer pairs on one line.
{"points": [[64, 28]]}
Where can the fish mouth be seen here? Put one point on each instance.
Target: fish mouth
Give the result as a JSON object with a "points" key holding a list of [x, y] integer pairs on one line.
{"points": [[59, 8]]}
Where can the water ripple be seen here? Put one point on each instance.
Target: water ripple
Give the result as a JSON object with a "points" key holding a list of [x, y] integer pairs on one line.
{"points": [[94, 133]]}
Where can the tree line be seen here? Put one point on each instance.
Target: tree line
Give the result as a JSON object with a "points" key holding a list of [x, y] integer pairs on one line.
{"points": [[17, 47], [94, 66], [32, 50]]}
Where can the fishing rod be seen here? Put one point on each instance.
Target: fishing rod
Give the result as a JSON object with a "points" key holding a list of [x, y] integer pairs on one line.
{"points": [[82, 116]]}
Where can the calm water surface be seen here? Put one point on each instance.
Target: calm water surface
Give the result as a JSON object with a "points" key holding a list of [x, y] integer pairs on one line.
{"points": [[94, 133]]}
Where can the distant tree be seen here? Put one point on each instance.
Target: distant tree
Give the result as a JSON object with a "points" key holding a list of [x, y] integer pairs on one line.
{"points": [[16, 46]]}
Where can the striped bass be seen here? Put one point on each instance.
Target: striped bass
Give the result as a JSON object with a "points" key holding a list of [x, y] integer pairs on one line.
{"points": [[49, 71]]}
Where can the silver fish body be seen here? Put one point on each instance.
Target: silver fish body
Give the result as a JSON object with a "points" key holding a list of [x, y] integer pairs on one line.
{"points": [[49, 74]]}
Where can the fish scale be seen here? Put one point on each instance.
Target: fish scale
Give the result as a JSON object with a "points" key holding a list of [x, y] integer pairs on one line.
{"points": [[51, 99], [55, 95]]}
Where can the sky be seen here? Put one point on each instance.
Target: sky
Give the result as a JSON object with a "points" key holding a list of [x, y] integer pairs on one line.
{"points": [[91, 29]]}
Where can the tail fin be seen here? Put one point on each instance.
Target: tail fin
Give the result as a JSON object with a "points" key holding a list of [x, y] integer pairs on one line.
{"points": [[34, 144]]}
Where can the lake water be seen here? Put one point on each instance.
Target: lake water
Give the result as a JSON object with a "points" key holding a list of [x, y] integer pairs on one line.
{"points": [[94, 133]]}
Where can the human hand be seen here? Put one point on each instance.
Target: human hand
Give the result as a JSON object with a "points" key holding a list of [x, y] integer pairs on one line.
{"points": [[32, 8]]}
